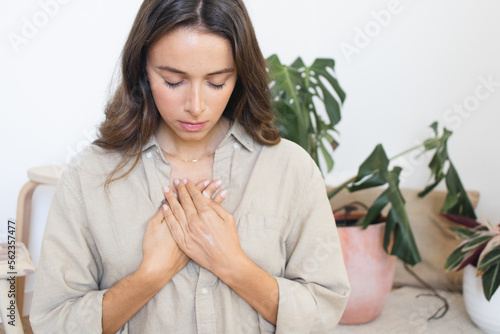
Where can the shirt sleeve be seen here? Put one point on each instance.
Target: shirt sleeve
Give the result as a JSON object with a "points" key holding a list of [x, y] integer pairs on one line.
{"points": [[67, 298], [314, 290]]}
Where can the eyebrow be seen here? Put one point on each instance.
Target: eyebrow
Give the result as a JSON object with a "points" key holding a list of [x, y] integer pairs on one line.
{"points": [[173, 70]]}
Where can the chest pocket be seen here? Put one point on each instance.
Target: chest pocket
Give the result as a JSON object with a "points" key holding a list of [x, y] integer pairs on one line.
{"points": [[261, 241]]}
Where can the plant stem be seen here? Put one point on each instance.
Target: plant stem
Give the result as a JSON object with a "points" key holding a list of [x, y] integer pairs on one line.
{"points": [[412, 149], [406, 152], [339, 188], [343, 185]]}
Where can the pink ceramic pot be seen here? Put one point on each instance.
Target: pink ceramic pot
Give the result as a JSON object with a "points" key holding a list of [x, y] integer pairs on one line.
{"points": [[370, 271]]}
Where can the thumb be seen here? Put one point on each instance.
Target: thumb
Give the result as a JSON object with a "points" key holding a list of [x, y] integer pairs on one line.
{"points": [[158, 216]]}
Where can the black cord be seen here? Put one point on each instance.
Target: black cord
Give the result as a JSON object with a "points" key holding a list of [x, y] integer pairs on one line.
{"points": [[443, 309], [351, 207]]}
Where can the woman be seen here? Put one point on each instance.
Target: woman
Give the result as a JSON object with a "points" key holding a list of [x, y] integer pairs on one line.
{"points": [[254, 251]]}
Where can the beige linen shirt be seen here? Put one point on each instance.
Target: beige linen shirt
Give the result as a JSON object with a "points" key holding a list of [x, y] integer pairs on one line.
{"points": [[93, 239]]}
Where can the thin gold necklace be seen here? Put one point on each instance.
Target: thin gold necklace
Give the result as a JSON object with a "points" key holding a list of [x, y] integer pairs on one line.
{"points": [[181, 159]]}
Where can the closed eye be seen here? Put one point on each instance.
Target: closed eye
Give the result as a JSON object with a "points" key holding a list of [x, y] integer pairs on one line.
{"points": [[173, 85], [216, 86]]}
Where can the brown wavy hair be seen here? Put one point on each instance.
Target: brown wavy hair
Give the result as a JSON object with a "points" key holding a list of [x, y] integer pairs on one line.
{"points": [[131, 114]]}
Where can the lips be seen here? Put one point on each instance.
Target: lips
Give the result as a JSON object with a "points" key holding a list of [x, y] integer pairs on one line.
{"points": [[192, 126]]}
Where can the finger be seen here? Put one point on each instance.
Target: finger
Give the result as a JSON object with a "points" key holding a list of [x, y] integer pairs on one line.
{"points": [[175, 228], [221, 212], [175, 207], [220, 197], [199, 200], [202, 185], [212, 187], [165, 200], [158, 217], [184, 198]]}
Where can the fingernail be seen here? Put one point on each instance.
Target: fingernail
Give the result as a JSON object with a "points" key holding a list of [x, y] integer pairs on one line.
{"points": [[205, 194], [176, 182], [176, 196], [184, 181], [206, 183], [165, 207], [218, 183], [166, 189], [223, 194]]}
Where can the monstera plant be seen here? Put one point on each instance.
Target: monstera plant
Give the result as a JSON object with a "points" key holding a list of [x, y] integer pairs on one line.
{"points": [[308, 100], [301, 95]]}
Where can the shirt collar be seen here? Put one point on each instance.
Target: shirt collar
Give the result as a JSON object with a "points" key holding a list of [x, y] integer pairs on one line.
{"points": [[241, 135], [151, 142], [236, 130]]}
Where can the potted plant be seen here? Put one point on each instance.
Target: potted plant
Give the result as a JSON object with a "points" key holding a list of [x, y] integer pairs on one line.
{"points": [[479, 255], [307, 101]]}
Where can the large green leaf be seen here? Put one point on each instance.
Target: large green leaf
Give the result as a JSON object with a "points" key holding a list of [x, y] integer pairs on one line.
{"points": [[375, 210], [437, 163], [463, 232], [313, 83], [476, 241], [456, 258], [291, 111], [319, 71], [327, 156], [490, 259], [299, 94], [374, 172], [404, 245], [321, 66], [491, 281], [490, 254], [456, 201]]}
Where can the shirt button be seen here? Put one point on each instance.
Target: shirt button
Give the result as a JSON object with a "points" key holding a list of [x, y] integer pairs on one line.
{"points": [[204, 291], [149, 155], [236, 145]]}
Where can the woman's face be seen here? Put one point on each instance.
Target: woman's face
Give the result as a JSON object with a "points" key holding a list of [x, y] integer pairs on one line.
{"points": [[192, 75]]}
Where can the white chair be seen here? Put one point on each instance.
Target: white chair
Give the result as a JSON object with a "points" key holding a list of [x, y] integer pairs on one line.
{"points": [[43, 175]]}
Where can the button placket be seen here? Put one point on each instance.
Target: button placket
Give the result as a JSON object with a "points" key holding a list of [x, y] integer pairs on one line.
{"points": [[221, 169], [206, 319], [157, 174]]}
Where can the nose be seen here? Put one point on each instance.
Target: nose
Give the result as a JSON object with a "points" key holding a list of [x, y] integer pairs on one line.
{"points": [[195, 102]]}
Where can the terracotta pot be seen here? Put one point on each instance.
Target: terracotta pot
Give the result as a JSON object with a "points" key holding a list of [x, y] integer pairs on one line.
{"points": [[483, 313], [370, 270]]}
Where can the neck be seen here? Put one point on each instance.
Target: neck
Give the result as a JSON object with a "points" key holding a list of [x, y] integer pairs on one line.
{"points": [[191, 150]]}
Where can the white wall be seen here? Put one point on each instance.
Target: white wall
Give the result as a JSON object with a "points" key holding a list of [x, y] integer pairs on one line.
{"points": [[421, 65], [430, 56]]}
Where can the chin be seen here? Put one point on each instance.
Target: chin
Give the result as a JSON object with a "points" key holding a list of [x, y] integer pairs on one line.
{"points": [[192, 136]]}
